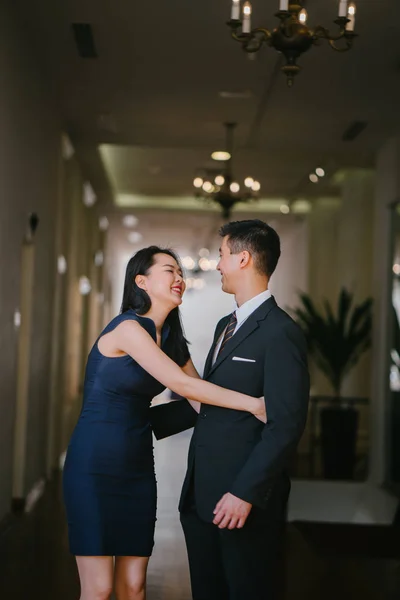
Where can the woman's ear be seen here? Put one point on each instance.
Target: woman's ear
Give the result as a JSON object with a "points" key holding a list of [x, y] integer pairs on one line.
{"points": [[140, 282]]}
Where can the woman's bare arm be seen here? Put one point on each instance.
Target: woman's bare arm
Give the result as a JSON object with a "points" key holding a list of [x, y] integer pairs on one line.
{"points": [[191, 370], [131, 338]]}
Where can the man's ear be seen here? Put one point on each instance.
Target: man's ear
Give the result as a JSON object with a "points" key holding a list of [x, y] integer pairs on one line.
{"points": [[140, 282], [245, 258]]}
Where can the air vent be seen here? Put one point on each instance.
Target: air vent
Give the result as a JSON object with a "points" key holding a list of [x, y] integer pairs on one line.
{"points": [[354, 130], [83, 35]]}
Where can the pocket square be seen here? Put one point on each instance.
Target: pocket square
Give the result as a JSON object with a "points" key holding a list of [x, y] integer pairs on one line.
{"points": [[240, 359]]}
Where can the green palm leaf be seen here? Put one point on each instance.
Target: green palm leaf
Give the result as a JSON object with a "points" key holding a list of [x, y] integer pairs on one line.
{"points": [[336, 342]]}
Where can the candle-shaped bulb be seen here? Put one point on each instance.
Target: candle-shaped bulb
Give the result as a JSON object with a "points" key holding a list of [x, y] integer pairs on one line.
{"points": [[351, 15], [284, 5], [246, 25], [303, 16], [235, 10], [343, 8], [352, 9]]}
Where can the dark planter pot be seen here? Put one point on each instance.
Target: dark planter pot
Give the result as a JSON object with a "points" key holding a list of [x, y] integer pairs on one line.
{"points": [[338, 442]]}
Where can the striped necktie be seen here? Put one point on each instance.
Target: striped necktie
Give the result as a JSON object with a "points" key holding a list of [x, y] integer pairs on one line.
{"points": [[229, 331]]}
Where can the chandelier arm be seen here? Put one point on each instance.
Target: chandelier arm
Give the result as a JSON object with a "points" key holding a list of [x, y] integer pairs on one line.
{"points": [[252, 42], [323, 33], [265, 34], [348, 46]]}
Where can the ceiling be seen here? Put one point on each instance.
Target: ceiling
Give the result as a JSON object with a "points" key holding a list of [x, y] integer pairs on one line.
{"points": [[152, 99]]}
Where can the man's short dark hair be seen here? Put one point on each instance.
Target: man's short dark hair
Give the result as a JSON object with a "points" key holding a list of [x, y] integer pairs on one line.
{"points": [[258, 238]]}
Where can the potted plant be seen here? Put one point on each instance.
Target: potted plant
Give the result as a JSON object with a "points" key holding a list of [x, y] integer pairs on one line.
{"points": [[336, 342]]}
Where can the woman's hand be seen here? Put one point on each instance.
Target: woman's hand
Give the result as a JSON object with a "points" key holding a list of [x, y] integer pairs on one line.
{"points": [[261, 411]]}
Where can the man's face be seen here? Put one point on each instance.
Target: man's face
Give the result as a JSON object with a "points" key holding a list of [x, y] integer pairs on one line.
{"points": [[229, 267]]}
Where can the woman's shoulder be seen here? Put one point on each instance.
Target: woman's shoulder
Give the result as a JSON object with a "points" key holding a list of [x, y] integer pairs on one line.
{"points": [[128, 315]]}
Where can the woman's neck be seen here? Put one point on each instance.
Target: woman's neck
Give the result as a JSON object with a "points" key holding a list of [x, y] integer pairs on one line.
{"points": [[158, 315]]}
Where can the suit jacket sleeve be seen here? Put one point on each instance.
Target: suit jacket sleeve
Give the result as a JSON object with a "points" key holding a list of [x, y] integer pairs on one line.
{"points": [[286, 392], [171, 418]]}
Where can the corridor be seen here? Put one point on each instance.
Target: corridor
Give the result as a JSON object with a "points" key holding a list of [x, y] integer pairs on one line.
{"points": [[35, 562]]}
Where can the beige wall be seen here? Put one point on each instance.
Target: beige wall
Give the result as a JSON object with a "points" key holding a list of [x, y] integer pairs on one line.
{"points": [[35, 178], [28, 174]]}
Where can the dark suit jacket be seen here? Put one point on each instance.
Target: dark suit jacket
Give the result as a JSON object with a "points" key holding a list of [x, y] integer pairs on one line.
{"points": [[231, 450]]}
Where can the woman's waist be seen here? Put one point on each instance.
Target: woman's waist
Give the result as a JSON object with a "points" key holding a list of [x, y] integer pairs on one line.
{"points": [[132, 408]]}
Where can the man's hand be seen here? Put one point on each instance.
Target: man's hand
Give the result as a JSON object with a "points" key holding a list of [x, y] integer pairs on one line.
{"points": [[231, 512]]}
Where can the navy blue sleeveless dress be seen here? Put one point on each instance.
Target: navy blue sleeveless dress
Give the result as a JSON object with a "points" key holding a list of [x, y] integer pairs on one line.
{"points": [[109, 483]]}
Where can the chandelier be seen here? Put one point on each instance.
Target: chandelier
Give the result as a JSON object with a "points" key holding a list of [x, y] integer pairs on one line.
{"points": [[225, 190], [292, 37]]}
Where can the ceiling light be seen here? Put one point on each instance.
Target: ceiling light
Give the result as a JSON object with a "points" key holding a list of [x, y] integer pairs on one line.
{"points": [[17, 319], [199, 284], [303, 16], [85, 286], [198, 182], [220, 155], [313, 178], [204, 264], [188, 263], [204, 252], [285, 209], [134, 237], [89, 197], [246, 22], [320, 172], [235, 10], [130, 220], [396, 269], [103, 223], [99, 258], [292, 24], [352, 9], [226, 191], [61, 265]]}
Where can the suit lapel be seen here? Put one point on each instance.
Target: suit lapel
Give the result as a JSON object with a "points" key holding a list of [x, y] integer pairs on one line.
{"points": [[250, 325], [218, 332]]}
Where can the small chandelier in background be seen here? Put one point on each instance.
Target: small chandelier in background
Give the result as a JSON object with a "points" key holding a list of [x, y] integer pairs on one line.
{"points": [[292, 37], [224, 189], [197, 267]]}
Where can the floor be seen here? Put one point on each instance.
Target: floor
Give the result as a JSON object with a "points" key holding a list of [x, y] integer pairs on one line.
{"points": [[320, 562]]}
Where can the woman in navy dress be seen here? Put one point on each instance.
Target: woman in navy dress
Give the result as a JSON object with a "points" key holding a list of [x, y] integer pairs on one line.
{"points": [[109, 482]]}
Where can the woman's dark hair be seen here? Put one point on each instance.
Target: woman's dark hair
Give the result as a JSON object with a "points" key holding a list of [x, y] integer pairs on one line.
{"points": [[258, 238], [138, 300]]}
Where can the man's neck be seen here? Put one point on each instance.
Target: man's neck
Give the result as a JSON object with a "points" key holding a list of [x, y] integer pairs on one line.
{"points": [[248, 292]]}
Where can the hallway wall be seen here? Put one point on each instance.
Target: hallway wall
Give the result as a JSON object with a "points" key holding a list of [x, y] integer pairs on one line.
{"points": [[30, 154], [36, 176]]}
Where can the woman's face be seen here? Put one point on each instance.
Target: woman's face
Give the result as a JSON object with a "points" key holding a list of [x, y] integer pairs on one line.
{"points": [[164, 283]]}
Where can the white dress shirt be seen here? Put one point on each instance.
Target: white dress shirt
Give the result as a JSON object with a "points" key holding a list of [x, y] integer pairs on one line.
{"points": [[242, 314]]}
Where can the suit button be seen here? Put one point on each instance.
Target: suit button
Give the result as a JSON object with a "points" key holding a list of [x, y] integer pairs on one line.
{"points": [[204, 415]]}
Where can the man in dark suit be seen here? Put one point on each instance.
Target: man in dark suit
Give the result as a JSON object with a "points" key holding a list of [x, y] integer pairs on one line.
{"points": [[236, 489]]}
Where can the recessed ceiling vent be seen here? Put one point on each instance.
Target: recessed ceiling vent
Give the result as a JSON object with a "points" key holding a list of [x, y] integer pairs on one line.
{"points": [[354, 130], [84, 40]]}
